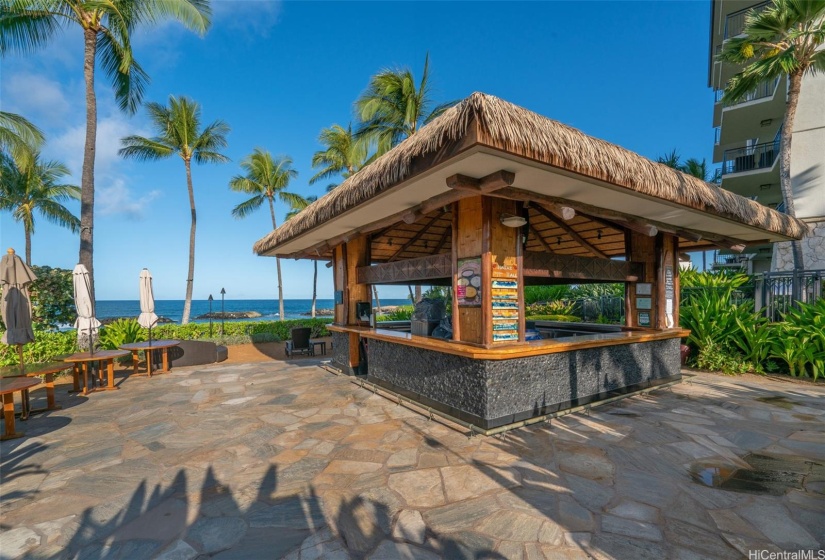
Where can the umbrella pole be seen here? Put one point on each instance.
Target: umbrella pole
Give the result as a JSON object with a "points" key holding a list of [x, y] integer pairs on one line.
{"points": [[20, 355]]}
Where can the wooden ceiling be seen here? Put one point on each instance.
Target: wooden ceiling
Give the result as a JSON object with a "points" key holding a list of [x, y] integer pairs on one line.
{"points": [[582, 236]]}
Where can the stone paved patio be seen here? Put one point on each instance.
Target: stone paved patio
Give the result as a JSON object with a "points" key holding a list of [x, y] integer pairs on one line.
{"points": [[286, 460]]}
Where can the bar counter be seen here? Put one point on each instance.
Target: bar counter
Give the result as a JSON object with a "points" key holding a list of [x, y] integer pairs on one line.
{"points": [[492, 387]]}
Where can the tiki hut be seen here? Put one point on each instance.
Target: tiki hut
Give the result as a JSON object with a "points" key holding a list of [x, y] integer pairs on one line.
{"points": [[491, 197]]}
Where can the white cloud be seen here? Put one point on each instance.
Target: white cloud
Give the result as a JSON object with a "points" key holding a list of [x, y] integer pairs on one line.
{"points": [[37, 97], [255, 16], [69, 146], [114, 197]]}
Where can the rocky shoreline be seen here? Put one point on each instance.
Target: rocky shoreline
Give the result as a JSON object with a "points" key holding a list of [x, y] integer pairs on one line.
{"points": [[331, 312], [230, 315]]}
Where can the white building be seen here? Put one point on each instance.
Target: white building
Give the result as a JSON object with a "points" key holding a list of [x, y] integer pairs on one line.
{"points": [[747, 145]]}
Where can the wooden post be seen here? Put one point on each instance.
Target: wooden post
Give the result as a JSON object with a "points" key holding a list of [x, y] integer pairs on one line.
{"points": [[356, 257], [665, 301], [677, 289], [454, 256], [642, 249], [468, 244], [339, 276], [505, 251]]}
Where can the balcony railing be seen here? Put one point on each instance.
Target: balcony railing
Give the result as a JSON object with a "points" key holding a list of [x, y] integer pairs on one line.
{"points": [[735, 22], [760, 156], [717, 132], [763, 90]]}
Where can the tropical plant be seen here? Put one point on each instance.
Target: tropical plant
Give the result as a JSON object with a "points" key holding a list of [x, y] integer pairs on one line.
{"points": [[557, 307], [800, 342], [35, 188], [393, 107], [26, 25], [297, 206], [691, 166], [52, 297], [535, 294], [266, 179], [179, 132], [783, 39], [120, 332], [20, 138], [343, 154]]}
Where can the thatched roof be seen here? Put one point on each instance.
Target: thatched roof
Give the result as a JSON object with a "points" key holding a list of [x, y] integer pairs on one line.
{"points": [[515, 130]]}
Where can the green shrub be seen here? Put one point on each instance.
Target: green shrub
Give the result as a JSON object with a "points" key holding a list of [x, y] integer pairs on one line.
{"points": [[562, 318], [558, 307], [275, 330], [120, 332], [401, 313], [47, 347], [718, 357], [535, 294], [800, 342]]}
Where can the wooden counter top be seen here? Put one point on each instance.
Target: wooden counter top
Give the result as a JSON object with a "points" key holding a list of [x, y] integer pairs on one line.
{"points": [[506, 351]]}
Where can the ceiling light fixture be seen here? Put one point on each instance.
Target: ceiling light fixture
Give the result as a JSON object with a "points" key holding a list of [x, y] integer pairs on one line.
{"points": [[512, 221]]}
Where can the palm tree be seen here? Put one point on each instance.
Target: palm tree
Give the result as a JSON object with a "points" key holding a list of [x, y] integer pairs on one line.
{"points": [[393, 108], [266, 178], [297, 206], [36, 188], [179, 132], [784, 39], [691, 166], [19, 137], [344, 154], [26, 25]]}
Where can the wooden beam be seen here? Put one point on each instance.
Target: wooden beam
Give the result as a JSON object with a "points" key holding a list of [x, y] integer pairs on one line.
{"points": [[486, 184], [571, 232], [439, 201], [646, 227], [443, 239], [415, 237], [540, 239]]}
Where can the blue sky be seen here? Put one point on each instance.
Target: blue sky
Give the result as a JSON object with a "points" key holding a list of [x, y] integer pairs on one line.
{"points": [[633, 73]]}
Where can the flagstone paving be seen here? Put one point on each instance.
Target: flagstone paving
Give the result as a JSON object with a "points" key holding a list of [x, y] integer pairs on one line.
{"points": [[284, 459]]}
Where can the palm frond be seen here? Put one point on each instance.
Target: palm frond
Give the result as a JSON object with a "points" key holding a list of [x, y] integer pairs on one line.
{"points": [[145, 149], [246, 207], [26, 26], [129, 80], [195, 15], [58, 214]]}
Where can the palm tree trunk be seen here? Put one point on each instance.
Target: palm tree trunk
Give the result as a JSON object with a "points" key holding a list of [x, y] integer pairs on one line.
{"points": [[785, 162], [28, 246], [377, 301], [277, 265], [87, 181], [187, 303], [314, 286], [417, 294], [412, 297]]}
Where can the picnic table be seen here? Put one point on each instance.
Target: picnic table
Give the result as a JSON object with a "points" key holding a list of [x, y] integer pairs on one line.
{"points": [[149, 348], [46, 371], [8, 386], [104, 358]]}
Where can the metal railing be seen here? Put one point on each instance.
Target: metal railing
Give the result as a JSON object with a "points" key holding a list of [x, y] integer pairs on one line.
{"points": [[735, 22], [749, 158], [717, 133], [763, 90], [732, 261], [776, 292]]}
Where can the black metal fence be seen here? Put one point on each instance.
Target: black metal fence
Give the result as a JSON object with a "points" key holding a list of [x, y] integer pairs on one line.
{"points": [[605, 309], [776, 292]]}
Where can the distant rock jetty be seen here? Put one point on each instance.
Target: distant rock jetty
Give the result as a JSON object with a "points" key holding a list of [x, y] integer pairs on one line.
{"points": [[331, 312], [230, 315]]}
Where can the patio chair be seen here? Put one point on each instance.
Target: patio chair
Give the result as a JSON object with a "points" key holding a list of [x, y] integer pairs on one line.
{"points": [[300, 342]]}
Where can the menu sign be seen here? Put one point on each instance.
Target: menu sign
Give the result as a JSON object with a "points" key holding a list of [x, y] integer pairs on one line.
{"points": [[468, 283], [505, 296]]}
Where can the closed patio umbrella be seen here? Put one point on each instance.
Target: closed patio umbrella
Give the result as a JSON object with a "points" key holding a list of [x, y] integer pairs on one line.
{"points": [[15, 277], [147, 318], [86, 324]]}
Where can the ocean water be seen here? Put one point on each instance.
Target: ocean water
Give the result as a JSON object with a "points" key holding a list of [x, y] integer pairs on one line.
{"points": [[268, 308]]}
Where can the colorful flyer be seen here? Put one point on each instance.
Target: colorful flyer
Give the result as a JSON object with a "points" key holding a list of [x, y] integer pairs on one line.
{"points": [[468, 283]]}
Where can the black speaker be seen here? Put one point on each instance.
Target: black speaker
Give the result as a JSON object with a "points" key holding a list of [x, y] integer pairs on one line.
{"points": [[363, 310]]}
